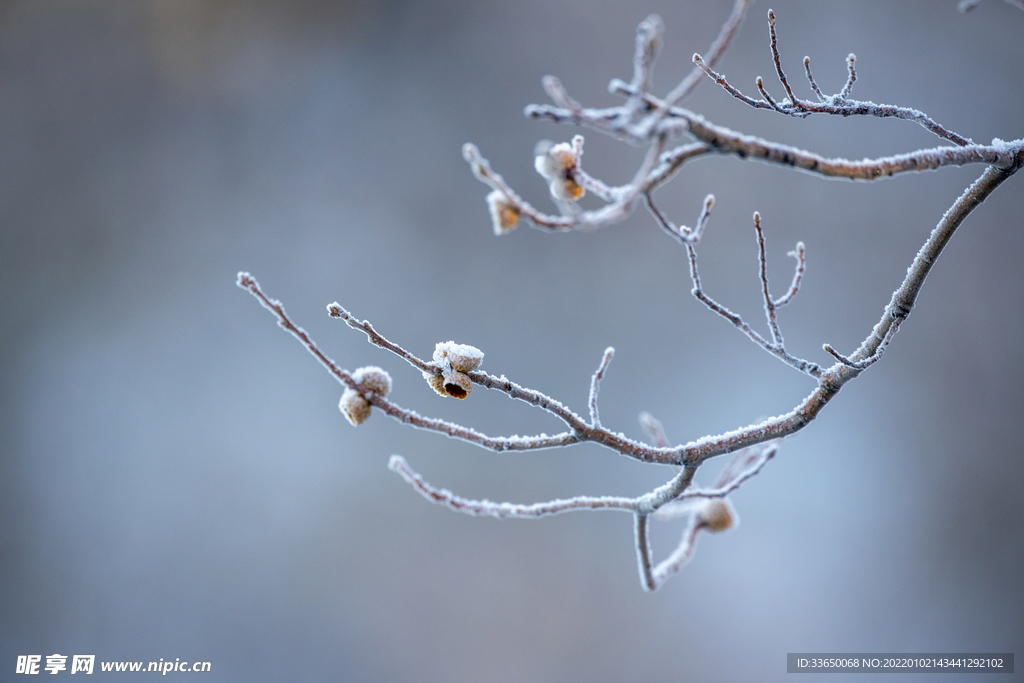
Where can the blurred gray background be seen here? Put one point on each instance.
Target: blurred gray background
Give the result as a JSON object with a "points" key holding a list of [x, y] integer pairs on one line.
{"points": [[177, 480]]}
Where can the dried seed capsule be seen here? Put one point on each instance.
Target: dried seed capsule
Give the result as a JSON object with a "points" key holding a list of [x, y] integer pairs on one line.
{"points": [[717, 515], [436, 383], [558, 165], [354, 407], [373, 378], [504, 216], [457, 384], [459, 357]]}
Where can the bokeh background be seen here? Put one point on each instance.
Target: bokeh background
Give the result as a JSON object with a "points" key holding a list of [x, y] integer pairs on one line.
{"points": [[177, 481]]}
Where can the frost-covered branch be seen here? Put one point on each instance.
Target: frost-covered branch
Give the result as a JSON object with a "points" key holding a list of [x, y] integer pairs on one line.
{"points": [[486, 508], [776, 347], [659, 119], [836, 105], [453, 369], [968, 5]]}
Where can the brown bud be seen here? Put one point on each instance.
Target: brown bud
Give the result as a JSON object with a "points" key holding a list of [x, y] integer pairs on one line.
{"points": [[557, 164], [373, 378], [716, 515], [504, 216], [354, 407]]}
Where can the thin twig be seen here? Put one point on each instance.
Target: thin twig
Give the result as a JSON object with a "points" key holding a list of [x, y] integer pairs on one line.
{"points": [[678, 559], [653, 428], [683, 234], [595, 386], [810, 79], [777, 59], [693, 79], [776, 348], [486, 508], [747, 463], [769, 304], [643, 553], [837, 105], [874, 357], [798, 275], [968, 5], [851, 62], [336, 311], [648, 40]]}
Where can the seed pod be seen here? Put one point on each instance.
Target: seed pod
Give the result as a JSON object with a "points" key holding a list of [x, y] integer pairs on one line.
{"points": [[558, 165], [459, 357], [373, 378], [354, 407], [457, 384], [504, 216], [717, 515], [436, 383]]}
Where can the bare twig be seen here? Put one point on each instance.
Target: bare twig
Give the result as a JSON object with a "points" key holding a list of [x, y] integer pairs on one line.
{"points": [[836, 105], [486, 508], [653, 428], [692, 80], [648, 42], [798, 275], [810, 80], [851, 63], [874, 357], [656, 577], [769, 304], [968, 5], [595, 386], [683, 234], [776, 58], [776, 346]]}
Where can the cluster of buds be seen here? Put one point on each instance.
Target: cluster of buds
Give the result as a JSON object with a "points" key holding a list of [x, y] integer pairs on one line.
{"points": [[558, 165], [454, 361], [716, 515], [353, 406]]}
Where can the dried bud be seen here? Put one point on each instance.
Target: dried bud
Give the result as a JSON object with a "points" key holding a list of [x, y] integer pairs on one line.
{"points": [[717, 515], [354, 407], [557, 165], [460, 357], [457, 384], [373, 378], [436, 383], [504, 216]]}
